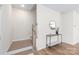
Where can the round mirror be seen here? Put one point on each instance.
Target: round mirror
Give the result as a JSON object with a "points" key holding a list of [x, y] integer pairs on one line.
{"points": [[52, 24]]}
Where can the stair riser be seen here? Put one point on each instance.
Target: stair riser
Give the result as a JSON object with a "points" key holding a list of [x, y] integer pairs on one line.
{"points": [[19, 50]]}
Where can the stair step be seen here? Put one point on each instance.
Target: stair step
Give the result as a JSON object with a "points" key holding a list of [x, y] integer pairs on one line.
{"points": [[20, 50], [24, 52], [20, 44]]}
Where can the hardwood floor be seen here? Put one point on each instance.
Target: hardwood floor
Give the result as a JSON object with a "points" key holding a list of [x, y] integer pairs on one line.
{"points": [[60, 49], [20, 44], [64, 49], [77, 48]]}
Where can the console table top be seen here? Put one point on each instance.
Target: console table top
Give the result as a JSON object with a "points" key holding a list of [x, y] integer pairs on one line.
{"points": [[53, 34]]}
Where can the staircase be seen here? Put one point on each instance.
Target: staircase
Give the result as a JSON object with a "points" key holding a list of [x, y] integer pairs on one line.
{"points": [[23, 47]]}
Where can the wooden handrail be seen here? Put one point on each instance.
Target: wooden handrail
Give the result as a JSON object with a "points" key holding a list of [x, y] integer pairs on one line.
{"points": [[34, 36]]}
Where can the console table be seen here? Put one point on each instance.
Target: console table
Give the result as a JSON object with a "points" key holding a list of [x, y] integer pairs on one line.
{"points": [[50, 36]]}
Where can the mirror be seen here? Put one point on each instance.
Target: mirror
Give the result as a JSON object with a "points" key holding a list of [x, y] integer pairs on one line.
{"points": [[52, 24]]}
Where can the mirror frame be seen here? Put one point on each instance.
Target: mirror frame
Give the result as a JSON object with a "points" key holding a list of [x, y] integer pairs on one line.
{"points": [[52, 23]]}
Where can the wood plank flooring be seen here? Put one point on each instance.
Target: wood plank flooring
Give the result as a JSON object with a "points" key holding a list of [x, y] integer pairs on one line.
{"points": [[64, 49], [60, 49], [20, 44]]}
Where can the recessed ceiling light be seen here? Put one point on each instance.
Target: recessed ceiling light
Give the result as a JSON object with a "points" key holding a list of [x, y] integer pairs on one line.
{"points": [[22, 5]]}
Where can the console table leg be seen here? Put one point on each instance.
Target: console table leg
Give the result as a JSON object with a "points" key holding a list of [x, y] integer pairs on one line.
{"points": [[46, 41], [61, 39]]}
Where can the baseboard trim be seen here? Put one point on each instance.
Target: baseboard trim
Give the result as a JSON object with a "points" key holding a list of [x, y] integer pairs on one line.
{"points": [[71, 43], [19, 50], [22, 39]]}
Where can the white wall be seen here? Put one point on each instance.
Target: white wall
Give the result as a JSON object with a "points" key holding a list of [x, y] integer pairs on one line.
{"points": [[0, 30], [33, 12], [23, 20], [0, 20], [67, 27], [44, 15], [70, 27], [6, 28], [76, 27]]}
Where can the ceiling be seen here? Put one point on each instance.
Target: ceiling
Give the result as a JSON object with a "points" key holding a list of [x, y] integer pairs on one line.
{"points": [[26, 6], [63, 7]]}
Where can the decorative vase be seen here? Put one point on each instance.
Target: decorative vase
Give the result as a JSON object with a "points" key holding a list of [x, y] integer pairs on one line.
{"points": [[57, 30]]}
